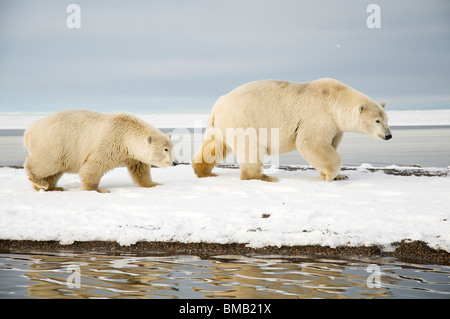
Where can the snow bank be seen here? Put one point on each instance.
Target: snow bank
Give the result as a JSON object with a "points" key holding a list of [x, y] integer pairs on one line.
{"points": [[419, 118], [22, 121], [370, 208], [396, 118]]}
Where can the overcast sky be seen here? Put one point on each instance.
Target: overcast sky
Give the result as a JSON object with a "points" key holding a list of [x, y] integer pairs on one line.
{"points": [[180, 56]]}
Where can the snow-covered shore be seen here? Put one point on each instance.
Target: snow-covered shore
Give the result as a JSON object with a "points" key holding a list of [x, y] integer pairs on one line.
{"points": [[371, 208]]}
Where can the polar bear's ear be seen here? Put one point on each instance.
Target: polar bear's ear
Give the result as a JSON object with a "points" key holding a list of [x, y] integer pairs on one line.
{"points": [[383, 104], [169, 135], [361, 108], [149, 139]]}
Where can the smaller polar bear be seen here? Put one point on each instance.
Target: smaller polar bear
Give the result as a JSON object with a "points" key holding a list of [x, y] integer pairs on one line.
{"points": [[90, 144], [274, 117]]}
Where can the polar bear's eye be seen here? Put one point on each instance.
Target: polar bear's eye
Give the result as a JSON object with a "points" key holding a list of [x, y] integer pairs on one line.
{"points": [[377, 121], [166, 149]]}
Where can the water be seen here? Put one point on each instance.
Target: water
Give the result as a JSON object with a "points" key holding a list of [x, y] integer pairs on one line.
{"points": [[229, 277], [427, 146]]}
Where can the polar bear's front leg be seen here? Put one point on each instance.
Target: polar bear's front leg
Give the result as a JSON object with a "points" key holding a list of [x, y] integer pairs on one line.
{"points": [[339, 177], [324, 158], [140, 172], [335, 143]]}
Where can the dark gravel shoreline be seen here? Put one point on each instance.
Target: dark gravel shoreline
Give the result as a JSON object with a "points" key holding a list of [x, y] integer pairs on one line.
{"points": [[417, 252], [411, 170]]}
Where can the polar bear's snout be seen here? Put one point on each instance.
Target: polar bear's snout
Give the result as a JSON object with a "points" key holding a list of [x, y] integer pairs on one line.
{"points": [[387, 133], [172, 163]]}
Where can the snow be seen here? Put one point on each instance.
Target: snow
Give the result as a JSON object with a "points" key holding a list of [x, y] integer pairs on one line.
{"points": [[370, 208], [23, 120], [419, 117], [396, 118]]}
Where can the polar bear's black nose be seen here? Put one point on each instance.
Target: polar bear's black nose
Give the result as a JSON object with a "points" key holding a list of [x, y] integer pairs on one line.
{"points": [[175, 163], [388, 137]]}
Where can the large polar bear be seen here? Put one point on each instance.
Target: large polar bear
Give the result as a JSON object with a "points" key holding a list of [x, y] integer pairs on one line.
{"points": [[268, 117], [90, 144]]}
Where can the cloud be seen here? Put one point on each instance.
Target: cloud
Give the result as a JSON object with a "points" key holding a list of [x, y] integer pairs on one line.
{"points": [[143, 50]]}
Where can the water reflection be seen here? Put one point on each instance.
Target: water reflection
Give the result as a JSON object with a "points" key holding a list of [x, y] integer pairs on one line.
{"points": [[281, 278], [102, 276], [427, 146]]}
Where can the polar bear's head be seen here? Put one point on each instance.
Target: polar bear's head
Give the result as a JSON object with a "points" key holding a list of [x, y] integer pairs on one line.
{"points": [[373, 120], [159, 150], [153, 149]]}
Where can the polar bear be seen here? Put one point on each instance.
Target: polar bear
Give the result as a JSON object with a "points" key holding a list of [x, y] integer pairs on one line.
{"points": [[275, 117], [90, 144]]}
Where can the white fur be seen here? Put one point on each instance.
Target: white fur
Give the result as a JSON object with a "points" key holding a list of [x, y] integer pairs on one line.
{"points": [[310, 117], [90, 144]]}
